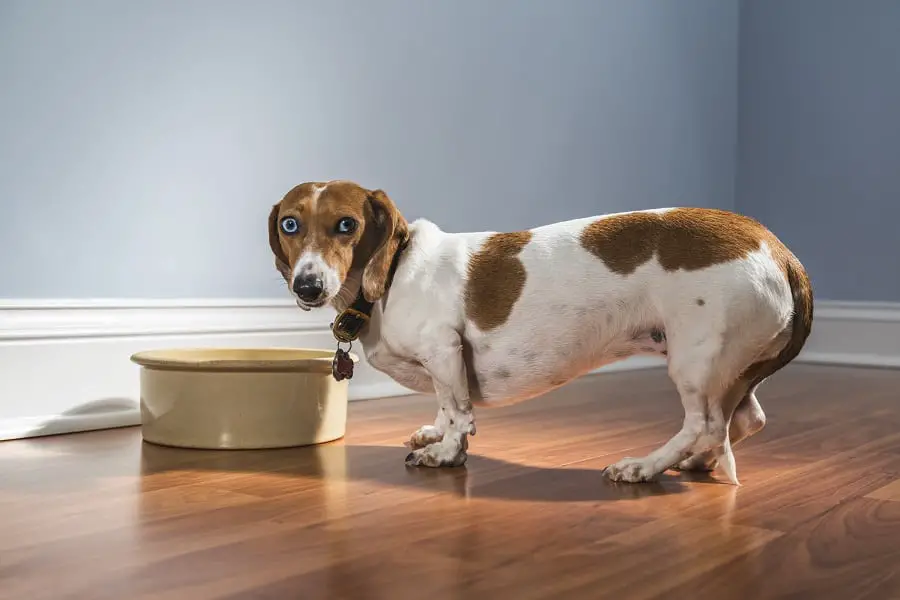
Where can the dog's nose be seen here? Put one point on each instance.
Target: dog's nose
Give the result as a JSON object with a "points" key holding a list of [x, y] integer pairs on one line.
{"points": [[308, 287]]}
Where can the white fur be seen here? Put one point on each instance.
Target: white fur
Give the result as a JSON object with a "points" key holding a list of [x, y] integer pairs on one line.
{"points": [[317, 193], [312, 262], [573, 316]]}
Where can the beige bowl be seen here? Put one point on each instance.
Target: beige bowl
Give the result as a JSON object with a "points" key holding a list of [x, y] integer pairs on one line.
{"points": [[234, 398]]}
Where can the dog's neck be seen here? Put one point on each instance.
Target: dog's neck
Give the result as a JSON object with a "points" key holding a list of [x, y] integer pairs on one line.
{"points": [[358, 320]]}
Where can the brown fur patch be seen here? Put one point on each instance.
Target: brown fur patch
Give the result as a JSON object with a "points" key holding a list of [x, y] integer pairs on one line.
{"points": [[683, 238], [496, 279]]}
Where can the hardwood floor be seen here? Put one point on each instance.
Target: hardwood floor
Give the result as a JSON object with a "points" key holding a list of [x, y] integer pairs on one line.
{"points": [[102, 515]]}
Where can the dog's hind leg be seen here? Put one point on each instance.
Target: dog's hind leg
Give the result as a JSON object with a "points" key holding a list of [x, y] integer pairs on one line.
{"points": [[748, 419], [705, 371]]}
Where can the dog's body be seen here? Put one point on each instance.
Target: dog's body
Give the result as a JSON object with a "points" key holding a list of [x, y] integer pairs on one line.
{"points": [[493, 318]]}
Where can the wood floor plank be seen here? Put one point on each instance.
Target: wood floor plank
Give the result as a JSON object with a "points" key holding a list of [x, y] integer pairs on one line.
{"points": [[849, 552]]}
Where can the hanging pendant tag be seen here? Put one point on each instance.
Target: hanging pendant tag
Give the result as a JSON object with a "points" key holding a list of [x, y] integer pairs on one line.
{"points": [[342, 365]]}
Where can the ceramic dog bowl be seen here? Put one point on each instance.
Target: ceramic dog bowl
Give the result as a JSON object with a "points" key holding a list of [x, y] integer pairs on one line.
{"points": [[240, 398]]}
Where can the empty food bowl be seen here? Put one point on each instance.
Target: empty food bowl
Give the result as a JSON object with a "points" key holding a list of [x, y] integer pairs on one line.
{"points": [[240, 398]]}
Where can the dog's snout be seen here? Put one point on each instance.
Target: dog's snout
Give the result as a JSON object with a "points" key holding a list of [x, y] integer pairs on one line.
{"points": [[308, 287]]}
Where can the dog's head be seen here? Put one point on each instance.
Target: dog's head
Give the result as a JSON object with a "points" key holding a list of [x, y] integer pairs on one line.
{"points": [[330, 238]]}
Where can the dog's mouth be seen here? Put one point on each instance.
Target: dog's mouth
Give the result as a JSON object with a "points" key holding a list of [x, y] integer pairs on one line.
{"points": [[307, 306]]}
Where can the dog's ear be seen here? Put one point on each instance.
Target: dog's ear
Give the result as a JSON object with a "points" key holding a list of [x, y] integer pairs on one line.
{"points": [[281, 259], [390, 229]]}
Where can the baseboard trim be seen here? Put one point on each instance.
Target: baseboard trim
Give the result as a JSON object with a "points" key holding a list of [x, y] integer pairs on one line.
{"points": [[71, 372], [29, 427], [94, 319], [850, 359], [875, 312], [864, 334]]}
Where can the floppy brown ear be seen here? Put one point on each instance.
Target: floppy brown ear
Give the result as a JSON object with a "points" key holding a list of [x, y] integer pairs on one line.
{"points": [[391, 229], [281, 259]]}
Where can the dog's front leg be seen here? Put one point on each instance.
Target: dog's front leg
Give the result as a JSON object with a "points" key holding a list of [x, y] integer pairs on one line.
{"points": [[455, 415]]}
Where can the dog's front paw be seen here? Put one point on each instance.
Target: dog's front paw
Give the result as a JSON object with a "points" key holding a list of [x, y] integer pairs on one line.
{"points": [[630, 470], [437, 455], [427, 434]]}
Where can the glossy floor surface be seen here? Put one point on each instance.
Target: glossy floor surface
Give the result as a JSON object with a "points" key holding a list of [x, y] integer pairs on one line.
{"points": [[102, 515]]}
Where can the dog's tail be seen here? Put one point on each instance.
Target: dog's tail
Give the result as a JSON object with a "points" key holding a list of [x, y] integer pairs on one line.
{"points": [[801, 322]]}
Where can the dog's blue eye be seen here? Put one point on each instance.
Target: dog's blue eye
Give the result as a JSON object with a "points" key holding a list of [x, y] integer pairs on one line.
{"points": [[346, 225], [289, 225]]}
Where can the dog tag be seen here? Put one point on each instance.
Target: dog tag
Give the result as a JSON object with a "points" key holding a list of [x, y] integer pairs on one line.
{"points": [[342, 365]]}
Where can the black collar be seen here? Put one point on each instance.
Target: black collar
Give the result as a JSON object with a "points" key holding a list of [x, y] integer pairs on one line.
{"points": [[351, 321]]}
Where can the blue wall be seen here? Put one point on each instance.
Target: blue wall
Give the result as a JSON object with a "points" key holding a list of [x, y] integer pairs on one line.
{"points": [[142, 144], [819, 137]]}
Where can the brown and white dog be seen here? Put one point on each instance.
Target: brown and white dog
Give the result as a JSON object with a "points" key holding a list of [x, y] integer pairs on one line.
{"points": [[490, 318]]}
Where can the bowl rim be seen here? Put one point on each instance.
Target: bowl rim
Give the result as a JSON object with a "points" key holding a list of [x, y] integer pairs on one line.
{"points": [[204, 359]]}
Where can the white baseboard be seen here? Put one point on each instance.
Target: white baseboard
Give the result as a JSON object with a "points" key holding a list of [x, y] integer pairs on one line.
{"points": [[864, 334], [64, 365]]}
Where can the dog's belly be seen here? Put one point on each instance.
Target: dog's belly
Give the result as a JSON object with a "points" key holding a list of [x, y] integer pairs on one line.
{"points": [[498, 383], [505, 369], [515, 363]]}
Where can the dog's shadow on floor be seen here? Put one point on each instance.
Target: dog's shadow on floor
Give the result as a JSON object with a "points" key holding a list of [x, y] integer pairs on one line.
{"points": [[481, 477]]}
